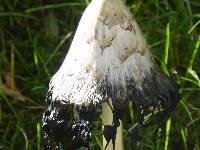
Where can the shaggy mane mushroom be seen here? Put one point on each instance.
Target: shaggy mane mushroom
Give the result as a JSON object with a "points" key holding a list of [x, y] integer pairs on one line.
{"points": [[108, 65]]}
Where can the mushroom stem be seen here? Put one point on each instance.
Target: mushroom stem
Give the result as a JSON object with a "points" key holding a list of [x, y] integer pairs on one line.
{"points": [[107, 119]]}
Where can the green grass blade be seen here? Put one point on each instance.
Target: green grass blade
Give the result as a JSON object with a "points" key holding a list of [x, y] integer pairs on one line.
{"points": [[194, 26], [167, 44], [195, 76], [26, 138], [194, 54], [44, 65], [190, 80], [38, 136], [14, 137], [58, 47], [190, 70], [16, 14], [35, 53], [188, 7], [158, 141], [187, 110], [192, 120], [99, 142], [131, 111], [87, 2], [168, 127], [54, 6], [163, 66], [184, 137]]}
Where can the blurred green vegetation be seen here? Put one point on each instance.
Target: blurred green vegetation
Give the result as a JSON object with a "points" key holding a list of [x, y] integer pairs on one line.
{"points": [[35, 37]]}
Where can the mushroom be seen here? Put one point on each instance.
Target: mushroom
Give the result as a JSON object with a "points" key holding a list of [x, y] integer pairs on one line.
{"points": [[108, 65]]}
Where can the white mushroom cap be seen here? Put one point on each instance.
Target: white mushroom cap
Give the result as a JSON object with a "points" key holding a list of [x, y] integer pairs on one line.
{"points": [[108, 45], [108, 59]]}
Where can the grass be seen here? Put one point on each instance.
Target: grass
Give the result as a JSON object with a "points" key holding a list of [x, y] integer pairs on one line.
{"points": [[35, 37], [38, 136]]}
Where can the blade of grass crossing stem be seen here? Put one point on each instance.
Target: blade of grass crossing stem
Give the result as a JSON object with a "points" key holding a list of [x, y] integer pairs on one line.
{"points": [[99, 142], [146, 118], [168, 127], [184, 137], [167, 44], [38, 136]]}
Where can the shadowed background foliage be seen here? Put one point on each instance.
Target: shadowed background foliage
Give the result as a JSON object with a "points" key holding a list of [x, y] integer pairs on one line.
{"points": [[35, 37]]}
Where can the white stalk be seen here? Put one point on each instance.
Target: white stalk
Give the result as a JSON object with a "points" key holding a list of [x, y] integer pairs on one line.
{"points": [[107, 119]]}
